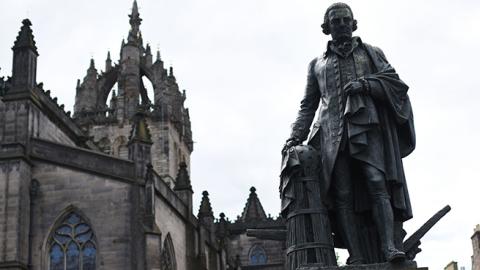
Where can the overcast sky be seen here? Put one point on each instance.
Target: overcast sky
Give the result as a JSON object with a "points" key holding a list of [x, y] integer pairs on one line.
{"points": [[243, 64]]}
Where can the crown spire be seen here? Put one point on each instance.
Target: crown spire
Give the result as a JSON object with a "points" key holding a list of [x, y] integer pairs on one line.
{"points": [[135, 8], [135, 21]]}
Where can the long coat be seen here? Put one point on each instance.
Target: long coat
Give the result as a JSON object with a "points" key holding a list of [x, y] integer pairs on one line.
{"points": [[393, 114]]}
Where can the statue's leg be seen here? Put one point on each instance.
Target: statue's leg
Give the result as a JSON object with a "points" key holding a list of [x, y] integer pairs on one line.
{"points": [[382, 212], [342, 188]]}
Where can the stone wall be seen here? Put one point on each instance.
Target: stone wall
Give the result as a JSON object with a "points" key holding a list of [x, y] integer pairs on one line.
{"points": [[44, 128], [242, 245], [170, 222], [21, 119], [167, 149], [14, 124], [15, 178], [104, 202]]}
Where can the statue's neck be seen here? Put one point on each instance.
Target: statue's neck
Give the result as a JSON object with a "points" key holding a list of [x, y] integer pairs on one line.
{"points": [[342, 41], [343, 47]]}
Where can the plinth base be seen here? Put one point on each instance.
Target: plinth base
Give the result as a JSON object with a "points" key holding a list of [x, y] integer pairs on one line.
{"points": [[409, 265]]}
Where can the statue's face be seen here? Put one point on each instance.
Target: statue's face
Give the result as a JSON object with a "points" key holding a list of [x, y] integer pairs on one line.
{"points": [[340, 21]]}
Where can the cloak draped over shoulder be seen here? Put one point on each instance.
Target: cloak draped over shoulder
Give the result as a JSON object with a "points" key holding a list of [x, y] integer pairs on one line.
{"points": [[394, 118]]}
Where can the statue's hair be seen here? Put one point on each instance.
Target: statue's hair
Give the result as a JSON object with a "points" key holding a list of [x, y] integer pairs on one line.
{"points": [[325, 27]]}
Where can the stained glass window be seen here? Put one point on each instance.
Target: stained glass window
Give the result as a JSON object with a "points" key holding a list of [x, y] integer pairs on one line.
{"points": [[257, 255], [72, 245]]}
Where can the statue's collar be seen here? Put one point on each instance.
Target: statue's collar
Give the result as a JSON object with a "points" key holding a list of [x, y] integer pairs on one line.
{"points": [[340, 50]]}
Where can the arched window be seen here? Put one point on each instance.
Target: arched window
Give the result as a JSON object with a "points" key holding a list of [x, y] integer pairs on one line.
{"points": [[168, 255], [72, 245], [257, 255]]}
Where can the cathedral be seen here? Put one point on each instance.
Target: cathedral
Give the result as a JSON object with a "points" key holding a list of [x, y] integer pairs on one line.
{"points": [[108, 186]]}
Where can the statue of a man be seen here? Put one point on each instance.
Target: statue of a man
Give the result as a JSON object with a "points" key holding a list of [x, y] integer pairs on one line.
{"points": [[364, 129]]}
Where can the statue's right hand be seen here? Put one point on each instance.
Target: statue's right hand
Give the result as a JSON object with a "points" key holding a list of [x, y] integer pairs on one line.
{"points": [[290, 143]]}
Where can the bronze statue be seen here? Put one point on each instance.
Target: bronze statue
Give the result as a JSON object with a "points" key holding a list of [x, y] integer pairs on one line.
{"points": [[364, 129]]}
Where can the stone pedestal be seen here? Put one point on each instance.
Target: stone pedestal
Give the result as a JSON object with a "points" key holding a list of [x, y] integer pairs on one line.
{"points": [[379, 266]]}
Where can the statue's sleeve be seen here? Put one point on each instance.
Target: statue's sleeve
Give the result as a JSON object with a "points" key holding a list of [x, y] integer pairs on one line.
{"points": [[308, 106]]}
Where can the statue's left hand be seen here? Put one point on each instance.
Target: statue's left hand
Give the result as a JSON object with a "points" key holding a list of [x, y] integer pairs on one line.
{"points": [[290, 143], [354, 87]]}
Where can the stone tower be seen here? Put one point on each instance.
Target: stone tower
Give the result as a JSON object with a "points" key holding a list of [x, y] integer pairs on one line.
{"points": [[107, 101], [476, 248]]}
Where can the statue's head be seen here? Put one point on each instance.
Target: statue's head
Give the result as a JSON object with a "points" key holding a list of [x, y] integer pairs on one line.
{"points": [[338, 21]]}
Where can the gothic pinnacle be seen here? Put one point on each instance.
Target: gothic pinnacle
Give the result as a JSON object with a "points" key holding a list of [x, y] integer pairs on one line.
{"points": [[25, 37], [205, 207], [148, 50], [108, 62], [92, 64], [183, 179], [140, 131]]}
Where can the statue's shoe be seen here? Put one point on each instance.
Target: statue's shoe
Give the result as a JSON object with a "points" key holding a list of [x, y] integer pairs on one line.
{"points": [[395, 255], [355, 261]]}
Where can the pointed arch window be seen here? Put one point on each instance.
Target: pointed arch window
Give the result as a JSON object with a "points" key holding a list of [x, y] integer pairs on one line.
{"points": [[168, 255], [257, 255], [72, 245]]}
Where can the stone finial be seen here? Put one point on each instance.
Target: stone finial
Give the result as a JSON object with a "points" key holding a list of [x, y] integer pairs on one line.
{"points": [[183, 179], [171, 72], [205, 207], [158, 56], [140, 131], [25, 39]]}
